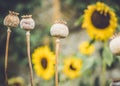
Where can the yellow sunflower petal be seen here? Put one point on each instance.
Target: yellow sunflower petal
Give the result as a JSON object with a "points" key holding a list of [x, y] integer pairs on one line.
{"points": [[43, 60]]}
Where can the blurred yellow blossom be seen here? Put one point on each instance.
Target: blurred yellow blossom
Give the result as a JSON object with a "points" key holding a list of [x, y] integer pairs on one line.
{"points": [[99, 21], [86, 48], [16, 81], [43, 60], [72, 67]]}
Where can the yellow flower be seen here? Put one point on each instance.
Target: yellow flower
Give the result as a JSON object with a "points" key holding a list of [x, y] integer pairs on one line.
{"points": [[43, 60], [86, 48], [100, 21], [16, 81], [72, 67]]}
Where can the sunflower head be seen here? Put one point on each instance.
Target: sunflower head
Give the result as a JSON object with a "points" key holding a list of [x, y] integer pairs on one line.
{"points": [[86, 48], [72, 67], [43, 60], [16, 81], [100, 21]]}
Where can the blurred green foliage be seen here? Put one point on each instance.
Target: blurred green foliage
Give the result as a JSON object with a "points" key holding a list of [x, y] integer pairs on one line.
{"points": [[17, 41]]}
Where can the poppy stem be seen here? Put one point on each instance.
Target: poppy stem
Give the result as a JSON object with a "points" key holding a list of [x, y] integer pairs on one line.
{"points": [[56, 62], [6, 56], [29, 59]]}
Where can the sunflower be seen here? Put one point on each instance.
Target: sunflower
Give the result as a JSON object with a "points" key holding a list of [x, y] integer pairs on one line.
{"points": [[43, 60], [100, 21], [72, 67], [86, 48], [16, 81]]}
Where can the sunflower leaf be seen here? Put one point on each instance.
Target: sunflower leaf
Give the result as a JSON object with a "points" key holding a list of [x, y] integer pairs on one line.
{"points": [[88, 63], [118, 57], [107, 56], [79, 21]]}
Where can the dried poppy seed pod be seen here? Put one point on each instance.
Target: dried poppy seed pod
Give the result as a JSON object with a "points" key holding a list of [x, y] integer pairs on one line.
{"points": [[115, 44], [59, 29], [27, 22], [115, 82], [12, 19]]}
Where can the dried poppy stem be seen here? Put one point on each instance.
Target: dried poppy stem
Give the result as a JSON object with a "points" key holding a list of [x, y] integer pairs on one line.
{"points": [[29, 59], [58, 30], [56, 64], [57, 9], [6, 55]]}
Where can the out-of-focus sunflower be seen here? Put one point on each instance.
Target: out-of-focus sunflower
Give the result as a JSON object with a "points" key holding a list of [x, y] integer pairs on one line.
{"points": [[43, 60], [72, 67], [86, 48], [100, 21], [16, 81]]}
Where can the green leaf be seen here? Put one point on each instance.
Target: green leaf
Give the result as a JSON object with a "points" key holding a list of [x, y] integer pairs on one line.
{"points": [[87, 64], [107, 56], [79, 21], [118, 57]]}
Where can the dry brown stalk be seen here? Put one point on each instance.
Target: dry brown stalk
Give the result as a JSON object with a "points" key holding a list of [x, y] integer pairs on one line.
{"points": [[56, 62], [6, 55], [29, 57]]}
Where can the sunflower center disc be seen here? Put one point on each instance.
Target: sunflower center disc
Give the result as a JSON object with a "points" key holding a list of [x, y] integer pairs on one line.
{"points": [[72, 68], [44, 63], [17, 84], [99, 20]]}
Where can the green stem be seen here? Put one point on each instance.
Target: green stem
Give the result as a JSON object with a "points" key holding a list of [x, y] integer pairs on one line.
{"points": [[103, 77]]}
